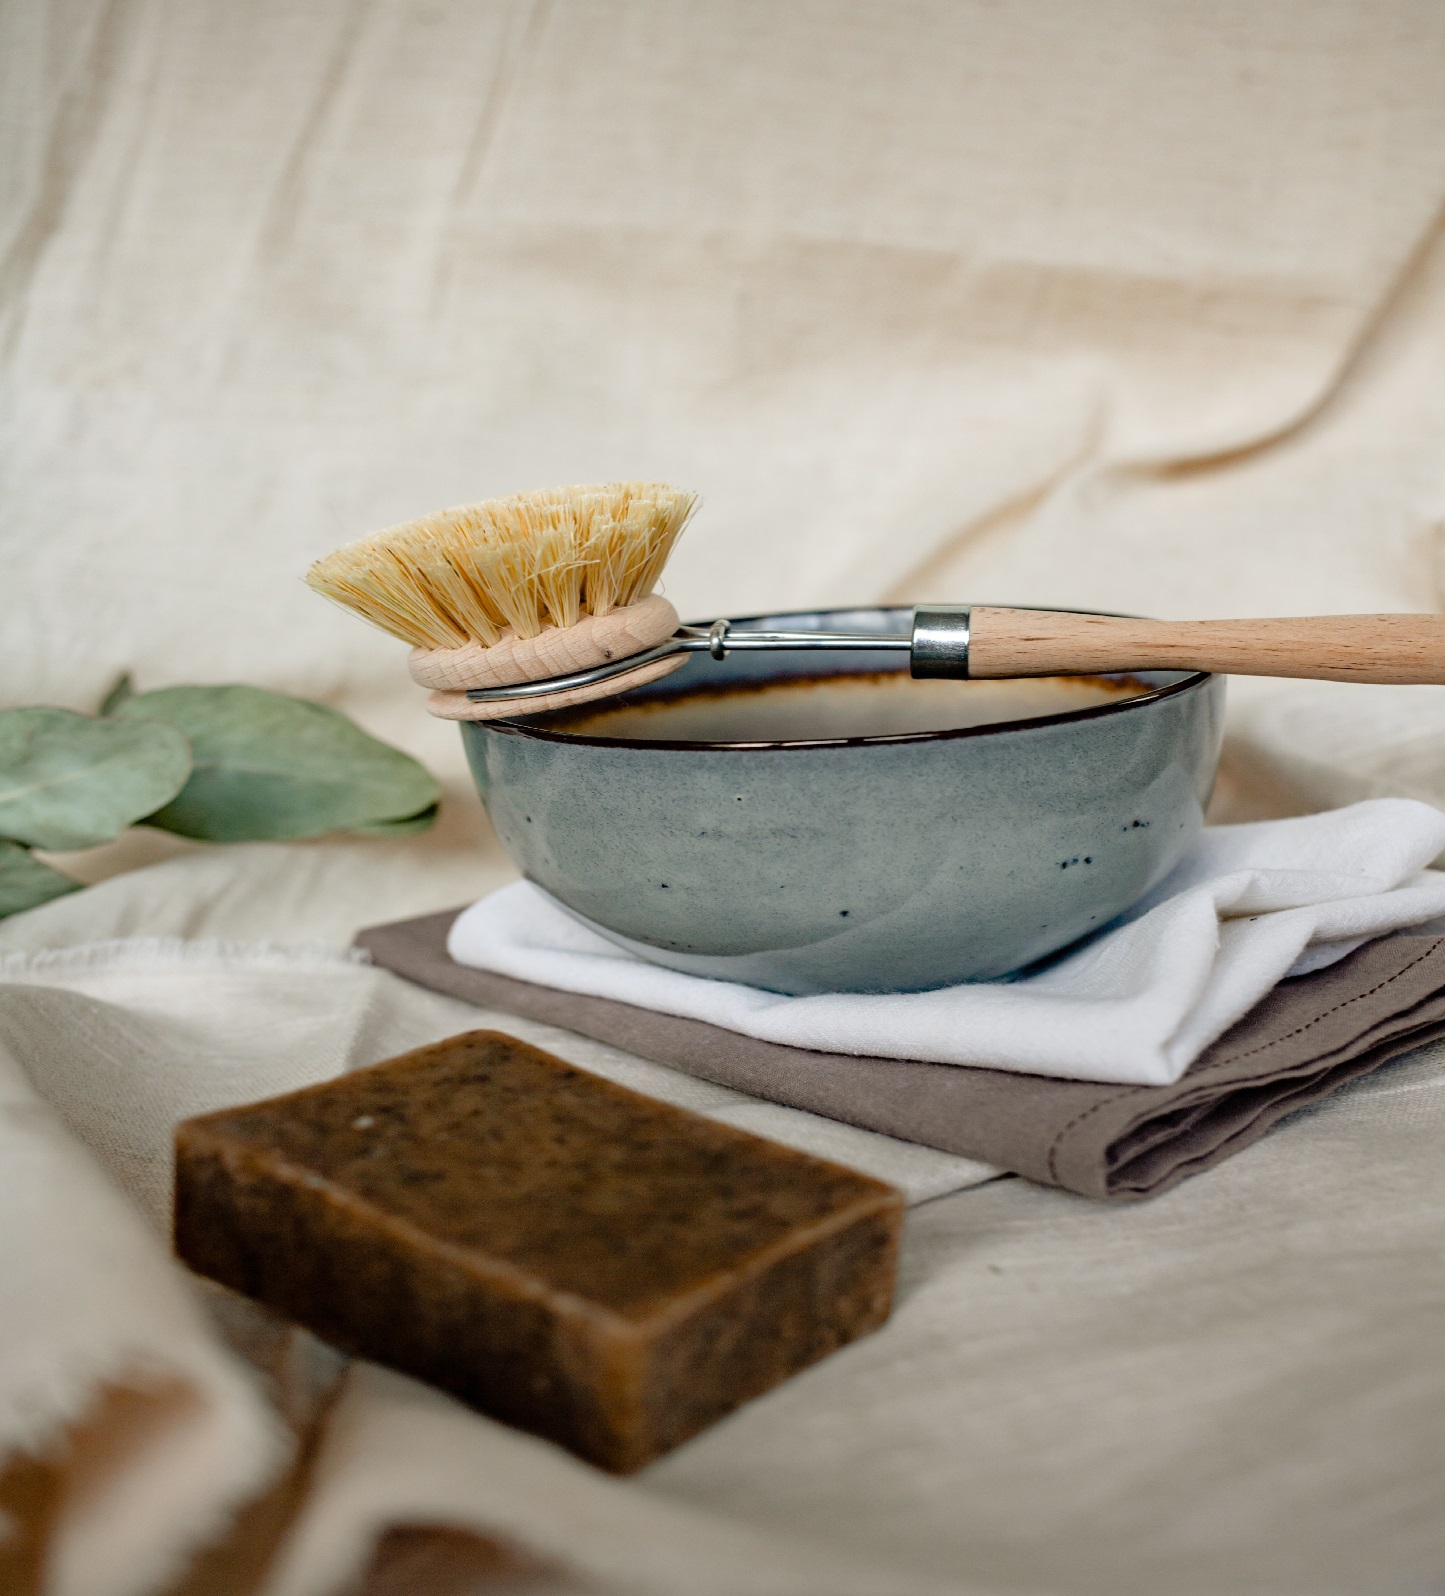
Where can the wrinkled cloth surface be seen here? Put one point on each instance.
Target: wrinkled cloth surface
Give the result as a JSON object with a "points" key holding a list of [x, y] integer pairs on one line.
{"points": [[1233, 1386], [1128, 306], [1122, 307], [1136, 1005], [103, 1048]]}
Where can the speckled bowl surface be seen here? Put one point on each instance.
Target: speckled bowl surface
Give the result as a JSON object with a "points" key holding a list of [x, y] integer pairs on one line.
{"points": [[885, 863]]}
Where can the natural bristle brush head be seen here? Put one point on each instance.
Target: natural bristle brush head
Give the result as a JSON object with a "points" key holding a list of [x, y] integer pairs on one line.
{"points": [[518, 589], [518, 564]]}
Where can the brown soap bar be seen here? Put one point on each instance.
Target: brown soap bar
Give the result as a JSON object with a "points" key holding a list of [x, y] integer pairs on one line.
{"points": [[564, 1254]]}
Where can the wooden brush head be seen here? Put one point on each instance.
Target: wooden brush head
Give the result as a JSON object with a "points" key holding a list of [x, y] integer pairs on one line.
{"points": [[509, 568]]}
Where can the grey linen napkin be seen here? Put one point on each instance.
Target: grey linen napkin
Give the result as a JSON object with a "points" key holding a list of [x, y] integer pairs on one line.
{"points": [[1309, 1037]]}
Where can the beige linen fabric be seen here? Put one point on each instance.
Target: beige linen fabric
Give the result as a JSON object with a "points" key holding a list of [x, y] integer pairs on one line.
{"points": [[1120, 304], [1234, 1387], [102, 1049], [1124, 304], [90, 1305]]}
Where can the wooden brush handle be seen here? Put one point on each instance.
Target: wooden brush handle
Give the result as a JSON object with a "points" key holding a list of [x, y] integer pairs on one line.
{"points": [[1332, 648]]}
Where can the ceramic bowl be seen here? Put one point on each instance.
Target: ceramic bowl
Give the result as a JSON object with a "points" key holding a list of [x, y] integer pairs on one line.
{"points": [[878, 863]]}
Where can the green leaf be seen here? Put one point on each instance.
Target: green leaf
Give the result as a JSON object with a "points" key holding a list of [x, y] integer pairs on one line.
{"points": [[269, 767], [120, 689], [25, 883], [407, 826], [67, 781]]}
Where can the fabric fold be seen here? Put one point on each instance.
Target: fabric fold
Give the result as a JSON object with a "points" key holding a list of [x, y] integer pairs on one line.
{"points": [[1136, 1004], [1308, 1038], [110, 1369]]}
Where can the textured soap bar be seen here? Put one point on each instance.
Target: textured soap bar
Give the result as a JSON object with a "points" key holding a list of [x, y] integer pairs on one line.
{"points": [[564, 1254]]}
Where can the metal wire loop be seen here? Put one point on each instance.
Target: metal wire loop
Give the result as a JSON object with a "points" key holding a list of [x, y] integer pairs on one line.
{"points": [[937, 644]]}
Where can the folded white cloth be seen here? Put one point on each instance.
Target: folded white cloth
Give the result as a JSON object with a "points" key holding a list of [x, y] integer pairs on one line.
{"points": [[1250, 906]]}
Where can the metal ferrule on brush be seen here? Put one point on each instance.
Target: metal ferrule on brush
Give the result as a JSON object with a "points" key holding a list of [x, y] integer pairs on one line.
{"points": [[940, 641]]}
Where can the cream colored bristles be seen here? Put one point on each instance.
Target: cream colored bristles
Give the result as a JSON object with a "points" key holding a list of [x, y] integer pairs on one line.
{"points": [[516, 565]]}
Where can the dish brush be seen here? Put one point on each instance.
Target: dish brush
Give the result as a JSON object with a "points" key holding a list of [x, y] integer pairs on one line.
{"points": [[519, 589], [545, 599]]}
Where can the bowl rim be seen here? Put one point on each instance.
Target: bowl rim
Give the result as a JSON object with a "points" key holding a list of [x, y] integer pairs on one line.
{"points": [[1188, 682]]}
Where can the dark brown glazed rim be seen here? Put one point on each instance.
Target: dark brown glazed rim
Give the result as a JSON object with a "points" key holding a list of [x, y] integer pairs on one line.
{"points": [[1193, 679]]}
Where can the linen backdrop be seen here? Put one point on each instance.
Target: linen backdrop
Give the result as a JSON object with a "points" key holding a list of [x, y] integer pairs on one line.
{"points": [[1133, 304], [1120, 304]]}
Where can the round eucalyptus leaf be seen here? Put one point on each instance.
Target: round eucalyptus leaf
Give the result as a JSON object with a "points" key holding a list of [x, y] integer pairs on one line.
{"points": [[67, 781], [270, 767], [25, 883]]}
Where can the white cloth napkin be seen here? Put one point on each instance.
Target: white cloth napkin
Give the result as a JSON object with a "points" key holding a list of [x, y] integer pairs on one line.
{"points": [[1250, 906]]}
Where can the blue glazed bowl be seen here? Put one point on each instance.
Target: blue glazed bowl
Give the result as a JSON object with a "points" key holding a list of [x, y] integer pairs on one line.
{"points": [[894, 862]]}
